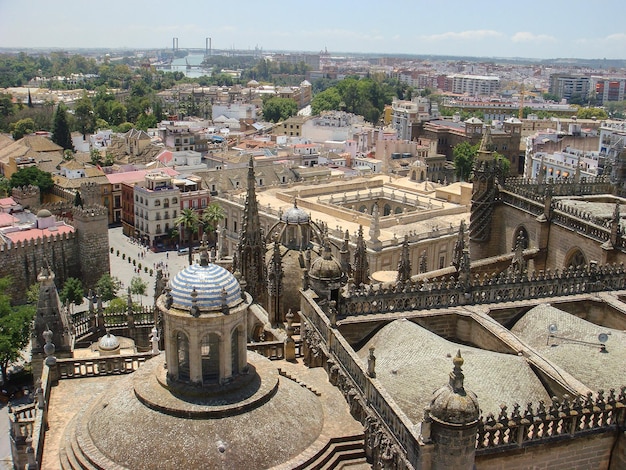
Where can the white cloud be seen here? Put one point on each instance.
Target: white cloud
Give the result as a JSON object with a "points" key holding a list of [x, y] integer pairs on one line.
{"points": [[525, 36], [616, 37], [463, 35]]}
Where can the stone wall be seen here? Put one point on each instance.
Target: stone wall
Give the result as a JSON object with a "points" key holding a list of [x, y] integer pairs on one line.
{"points": [[93, 243], [592, 451], [23, 261]]}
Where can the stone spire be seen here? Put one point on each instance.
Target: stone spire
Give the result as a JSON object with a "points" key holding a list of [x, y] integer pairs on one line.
{"points": [[251, 247], [344, 255], [361, 265], [375, 229], [275, 284], [459, 246], [50, 315], [404, 265], [454, 412], [204, 251], [484, 192]]}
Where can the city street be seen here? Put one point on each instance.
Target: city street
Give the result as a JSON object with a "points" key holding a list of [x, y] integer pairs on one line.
{"points": [[171, 262]]}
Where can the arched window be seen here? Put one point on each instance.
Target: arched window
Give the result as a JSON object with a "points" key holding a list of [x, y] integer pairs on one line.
{"points": [[575, 259], [234, 351], [386, 210], [182, 347], [363, 209], [210, 353], [398, 210]]}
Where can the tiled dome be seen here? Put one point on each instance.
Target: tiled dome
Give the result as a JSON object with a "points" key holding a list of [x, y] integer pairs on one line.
{"points": [[208, 282], [108, 342], [295, 215]]}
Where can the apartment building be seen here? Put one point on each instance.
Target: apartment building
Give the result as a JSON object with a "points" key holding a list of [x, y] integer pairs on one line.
{"points": [[567, 85]]}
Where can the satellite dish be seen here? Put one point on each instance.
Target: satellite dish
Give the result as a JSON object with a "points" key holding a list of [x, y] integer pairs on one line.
{"points": [[603, 337], [552, 328]]}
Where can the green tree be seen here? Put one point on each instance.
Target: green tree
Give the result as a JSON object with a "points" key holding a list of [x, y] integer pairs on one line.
{"points": [[23, 127], [464, 154], [146, 121], [72, 292], [35, 176], [138, 286], [107, 287], [61, 129], [505, 163], [5, 186], [591, 113], [211, 216], [551, 97], [15, 325], [327, 100], [188, 221], [278, 109], [85, 117], [95, 156], [32, 294]]}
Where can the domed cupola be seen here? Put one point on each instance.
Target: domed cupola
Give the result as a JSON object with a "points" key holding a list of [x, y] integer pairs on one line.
{"points": [[325, 275], [295, 215], [205, 285], [205, 315], [453, 404]]}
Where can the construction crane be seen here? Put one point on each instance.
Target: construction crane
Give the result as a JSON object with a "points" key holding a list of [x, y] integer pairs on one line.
{"points": [[521, 103]]}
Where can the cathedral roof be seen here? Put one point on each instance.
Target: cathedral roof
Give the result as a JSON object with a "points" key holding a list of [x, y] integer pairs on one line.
{"points": [[326, 267], [411, 359], [210, 283], [295, 215]]}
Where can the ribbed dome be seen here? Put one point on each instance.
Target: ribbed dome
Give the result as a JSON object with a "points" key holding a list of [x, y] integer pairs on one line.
{"points": [[295, 215], [208, 282], [326, 267], [453, 404], [43, 213], [108, 342]]}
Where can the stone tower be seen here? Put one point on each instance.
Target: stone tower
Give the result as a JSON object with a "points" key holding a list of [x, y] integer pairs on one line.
{"points": [[404, 265], [27, 196], [275, 285], [483, 196], [453, 417], [50, 316], [91, 225], [361, 266], [90, 194], [251, 247]]}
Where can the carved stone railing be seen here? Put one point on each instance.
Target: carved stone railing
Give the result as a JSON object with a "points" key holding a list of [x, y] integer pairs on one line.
{"points": [[503, 287], [566, 419], [109, 365], [533, 189], [531, 203], [84, 322], [274, 350]]}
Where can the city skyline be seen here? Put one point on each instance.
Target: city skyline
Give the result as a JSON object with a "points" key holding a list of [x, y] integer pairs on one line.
{"points": [[541, 30]]}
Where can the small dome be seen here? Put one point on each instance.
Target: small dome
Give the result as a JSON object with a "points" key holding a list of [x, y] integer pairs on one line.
{"points": [[43, 213], [326, 267], [108, 342], [208, 282], [453, 404], [253, 84], [295, 215]]}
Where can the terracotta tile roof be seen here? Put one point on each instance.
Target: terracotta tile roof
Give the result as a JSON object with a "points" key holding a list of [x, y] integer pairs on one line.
{"points": [[7, 219], [35, 233], [136, 176]]}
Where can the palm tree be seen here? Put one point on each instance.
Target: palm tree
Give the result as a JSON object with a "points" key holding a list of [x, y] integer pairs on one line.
{"points": [[189, 222], [211, 215]]}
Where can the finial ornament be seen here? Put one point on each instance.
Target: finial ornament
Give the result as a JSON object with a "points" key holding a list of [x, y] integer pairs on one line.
{"points": [[456, 376]]}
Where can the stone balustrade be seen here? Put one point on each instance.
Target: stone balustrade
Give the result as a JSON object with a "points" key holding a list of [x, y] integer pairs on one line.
{"points": [[109, 365], [564, 419], [502, 287]]}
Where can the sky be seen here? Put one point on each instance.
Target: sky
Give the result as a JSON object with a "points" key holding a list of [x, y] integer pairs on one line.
{"points": [[482, 28]]}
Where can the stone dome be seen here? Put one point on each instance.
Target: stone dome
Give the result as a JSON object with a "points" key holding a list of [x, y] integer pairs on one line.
{"points": [[108, 342], [226, 432], [326, 267], [295, 215], [453, 404], [208, 282], [43, 213]]}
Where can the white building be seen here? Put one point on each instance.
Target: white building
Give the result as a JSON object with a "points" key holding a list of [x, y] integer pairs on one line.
{"points": [[404, 113], [473, 85]]}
